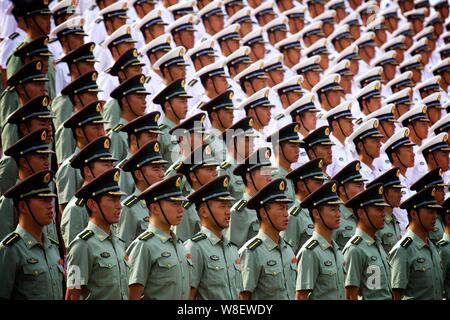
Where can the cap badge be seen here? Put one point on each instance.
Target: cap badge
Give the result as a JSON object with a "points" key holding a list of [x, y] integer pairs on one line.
{"points": [[47, 178], [282, 185], [178, 182], [44, 135], [226, 182], [116, 176], [333, 187], [380, 191], [45, 101], [106, 144], [156, 147]]}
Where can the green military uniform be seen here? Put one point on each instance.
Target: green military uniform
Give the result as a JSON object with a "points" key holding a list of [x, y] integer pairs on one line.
{"points": [[133, 219], [214, 139], [390, 234], [438, 231], [300, 227], [74, 219], [215, 267], [444, 252], [244, 224], [168, 144], [281, 173], [236, 183], [8, 173], [190, 224], [111, 113], [30, 269], [62, 108], [126, 181], [347, 227], [68, 180]]}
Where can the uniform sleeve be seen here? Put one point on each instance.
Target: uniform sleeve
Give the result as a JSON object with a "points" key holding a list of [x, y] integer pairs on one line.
{"points": [[79, 264], [73, 222], [250, 270], [7, 215], [66, 183], [10, 135], [196, 263], [119, 147], [353, 266], [8, 173], [9, 265], [307, 270], [126, 228], [64, 143], [139, 258], [398, 260], [292, 233]]}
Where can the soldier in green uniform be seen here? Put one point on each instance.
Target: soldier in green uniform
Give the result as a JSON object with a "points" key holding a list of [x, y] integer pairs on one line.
{"points": [[86, 126], [30, 264], [255, 172], [159, 267], [267, 260], [220, 113], [317, 144], [146, 167], [215, 271], [444, 247], [34, 115], [392, 192], [320, 269], [199, 168], [173, 100], [239, 144], [350, 183], [27, 83], [80, 60], [96, 262], [367, 272], [140, 131], [306, 179], [416, 265], [30, 154], [285, 144], [433, 179], [90, 162]]}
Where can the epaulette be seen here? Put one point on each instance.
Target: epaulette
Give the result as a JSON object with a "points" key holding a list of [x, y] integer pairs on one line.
{"points": [[225, 165], [121, 163], [295, 211], [13, 35], [187, 204], [198, 237], [11, 239], [55, 242], [79, 202], [192, 82], [254, 244], [407, 242], [86, 234], [120, 239], [356, 240], [130, 201], [241, 204], [162, 126], [117, 127], [146, 235], [280, 116], [442, 243], [312, 244]]}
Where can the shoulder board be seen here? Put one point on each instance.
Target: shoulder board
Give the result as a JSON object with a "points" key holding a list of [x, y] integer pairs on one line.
{"points": [[129, 202], [254, 244], [312, 244], [240, 205], [407, 242], [442, 243], [11, 239], [121, 163], [357, 240], [295, 211], [280, 116], [162, 126], [10, 88], [225, 165], [187, 204], [55, 242], [86, 234], [198, 237], [192, 82], [117, 127], [79, 202], [13, 35], [146, 235]]}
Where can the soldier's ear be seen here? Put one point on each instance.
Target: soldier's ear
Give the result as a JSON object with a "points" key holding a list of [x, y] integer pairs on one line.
{"points": [[91, 205], [138, 175]]}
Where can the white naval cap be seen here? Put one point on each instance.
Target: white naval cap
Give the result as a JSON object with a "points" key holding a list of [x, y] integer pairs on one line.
{"points": [[230, 32], [163, 42], [309, 64], [183, 23], [274, 63], [433, 101], [366, 130], [201, 49], [252, 71], [334, 4], [435, 3], [312, 28], [404, 29], [349, 53], [328, 16], [397, 42], [415, 14], [418, 113], [279, 23], [72, 25], [443, 66], [241, 55], [304, 104], [212, 8], [328, 83], [431, 84], [182, 7], [150, 19], [215, 69], [341, 68], [121, 35], [376, 24], [352, 19], [254, 36], [438, 142], [374, 74], [385, 58], [343, 110], [366, 39], [444, 51], [264, 8], [369, 7], [433, 18], [64, 7], [427, 32], [389, 12], [115, 10], [442, 125], [242, 15], [401, 97], [292, 41], [293, 84], [385, 113], [296, 12], [399, 139], [419, 46], [318, 47], [403, 80], [173, 57], [258, 99], [372, 90], [340, 32]]}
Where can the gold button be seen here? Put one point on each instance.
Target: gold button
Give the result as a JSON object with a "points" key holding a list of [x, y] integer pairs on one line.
{"points": [[168, 264], [217, 268], [35, 273], [109, 265], [29, 242]]}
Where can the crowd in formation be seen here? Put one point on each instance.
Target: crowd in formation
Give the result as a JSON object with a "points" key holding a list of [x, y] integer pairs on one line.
{"points": [[224, 149]]}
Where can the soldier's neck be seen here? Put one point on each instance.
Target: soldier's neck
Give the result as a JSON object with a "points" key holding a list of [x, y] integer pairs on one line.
{"points": [[367, 229], [419, 231], [101, 223], [389, 210], [324, 232], [283, 163], [270, 231], [447, 229], [338, 135], [163, 226], [31, 227], [366, 159]]}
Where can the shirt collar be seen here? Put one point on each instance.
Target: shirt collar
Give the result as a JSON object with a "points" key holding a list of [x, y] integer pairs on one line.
{"points": [[164, 237], [346, 212], [324, 244], [230, 159], [29, 240], [212, 237], [268, 242], [416, 239], [168, 122], [446, 237], [388, 218], [98, 232], [368, 239]]}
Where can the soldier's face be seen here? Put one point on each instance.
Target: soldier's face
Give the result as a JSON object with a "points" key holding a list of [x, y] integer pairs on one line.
{"points": [[43, 22], [346, 126], [173, 210], [291, 56], [75, 41], [93, 131], [244, 146], [312, 184], [372, 147], [376, 215], [258, 84], [258, 51], [434, 114], [312, 77], [353, 188], [346, 83], [291, 151], [388, 71], [111, 207], [393, 196], [84, 67], [206, 174], [153, 173], [420, 129], [439, 195], [220, 84], [246, 27], [221, 211], [325, 153], [229, 46], [332, 98], [87, 97], [442, 159], [99, 167], [226, 117], [177, 72], [387, 128], [146, 137], [262, 115], [39, 162], [407, 156], [309, 120], [275, 77], [133, 71], [153, 32], [296, 24], [137, 103], [36, 124], [216, 22], [187, 39], [331, 215], [35, 88], [428, 217], [180, 106], [41, 209], [261, 177]]}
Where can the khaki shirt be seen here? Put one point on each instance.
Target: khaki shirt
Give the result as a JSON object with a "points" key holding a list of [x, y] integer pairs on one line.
{"points": [[444, 252], [346, 228], [218, 147], [390, 234], [236, 187], [169, 145], [75, 219], [290, 188], [244, 223], [68, 180], [189, 225]]}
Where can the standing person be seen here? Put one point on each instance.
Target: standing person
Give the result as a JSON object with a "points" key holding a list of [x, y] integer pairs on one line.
{"points": [[444, 251], [29, 261], [268, 262], [96, 258], [214, 262], [320, 272], [159, 267]]}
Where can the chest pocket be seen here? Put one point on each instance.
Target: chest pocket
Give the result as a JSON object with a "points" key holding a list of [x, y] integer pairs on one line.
{"points": [[347, 234], [328, 272], [273, 278], [167, 269], [255, 227], [216, 272], [421, 273], [35, 278], [106, 272], [389, 238]]}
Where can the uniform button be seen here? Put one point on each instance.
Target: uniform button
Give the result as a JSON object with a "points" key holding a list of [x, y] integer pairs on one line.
{"points": [[168, 264], [35, 273], [109, 265], [217, 268]]}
